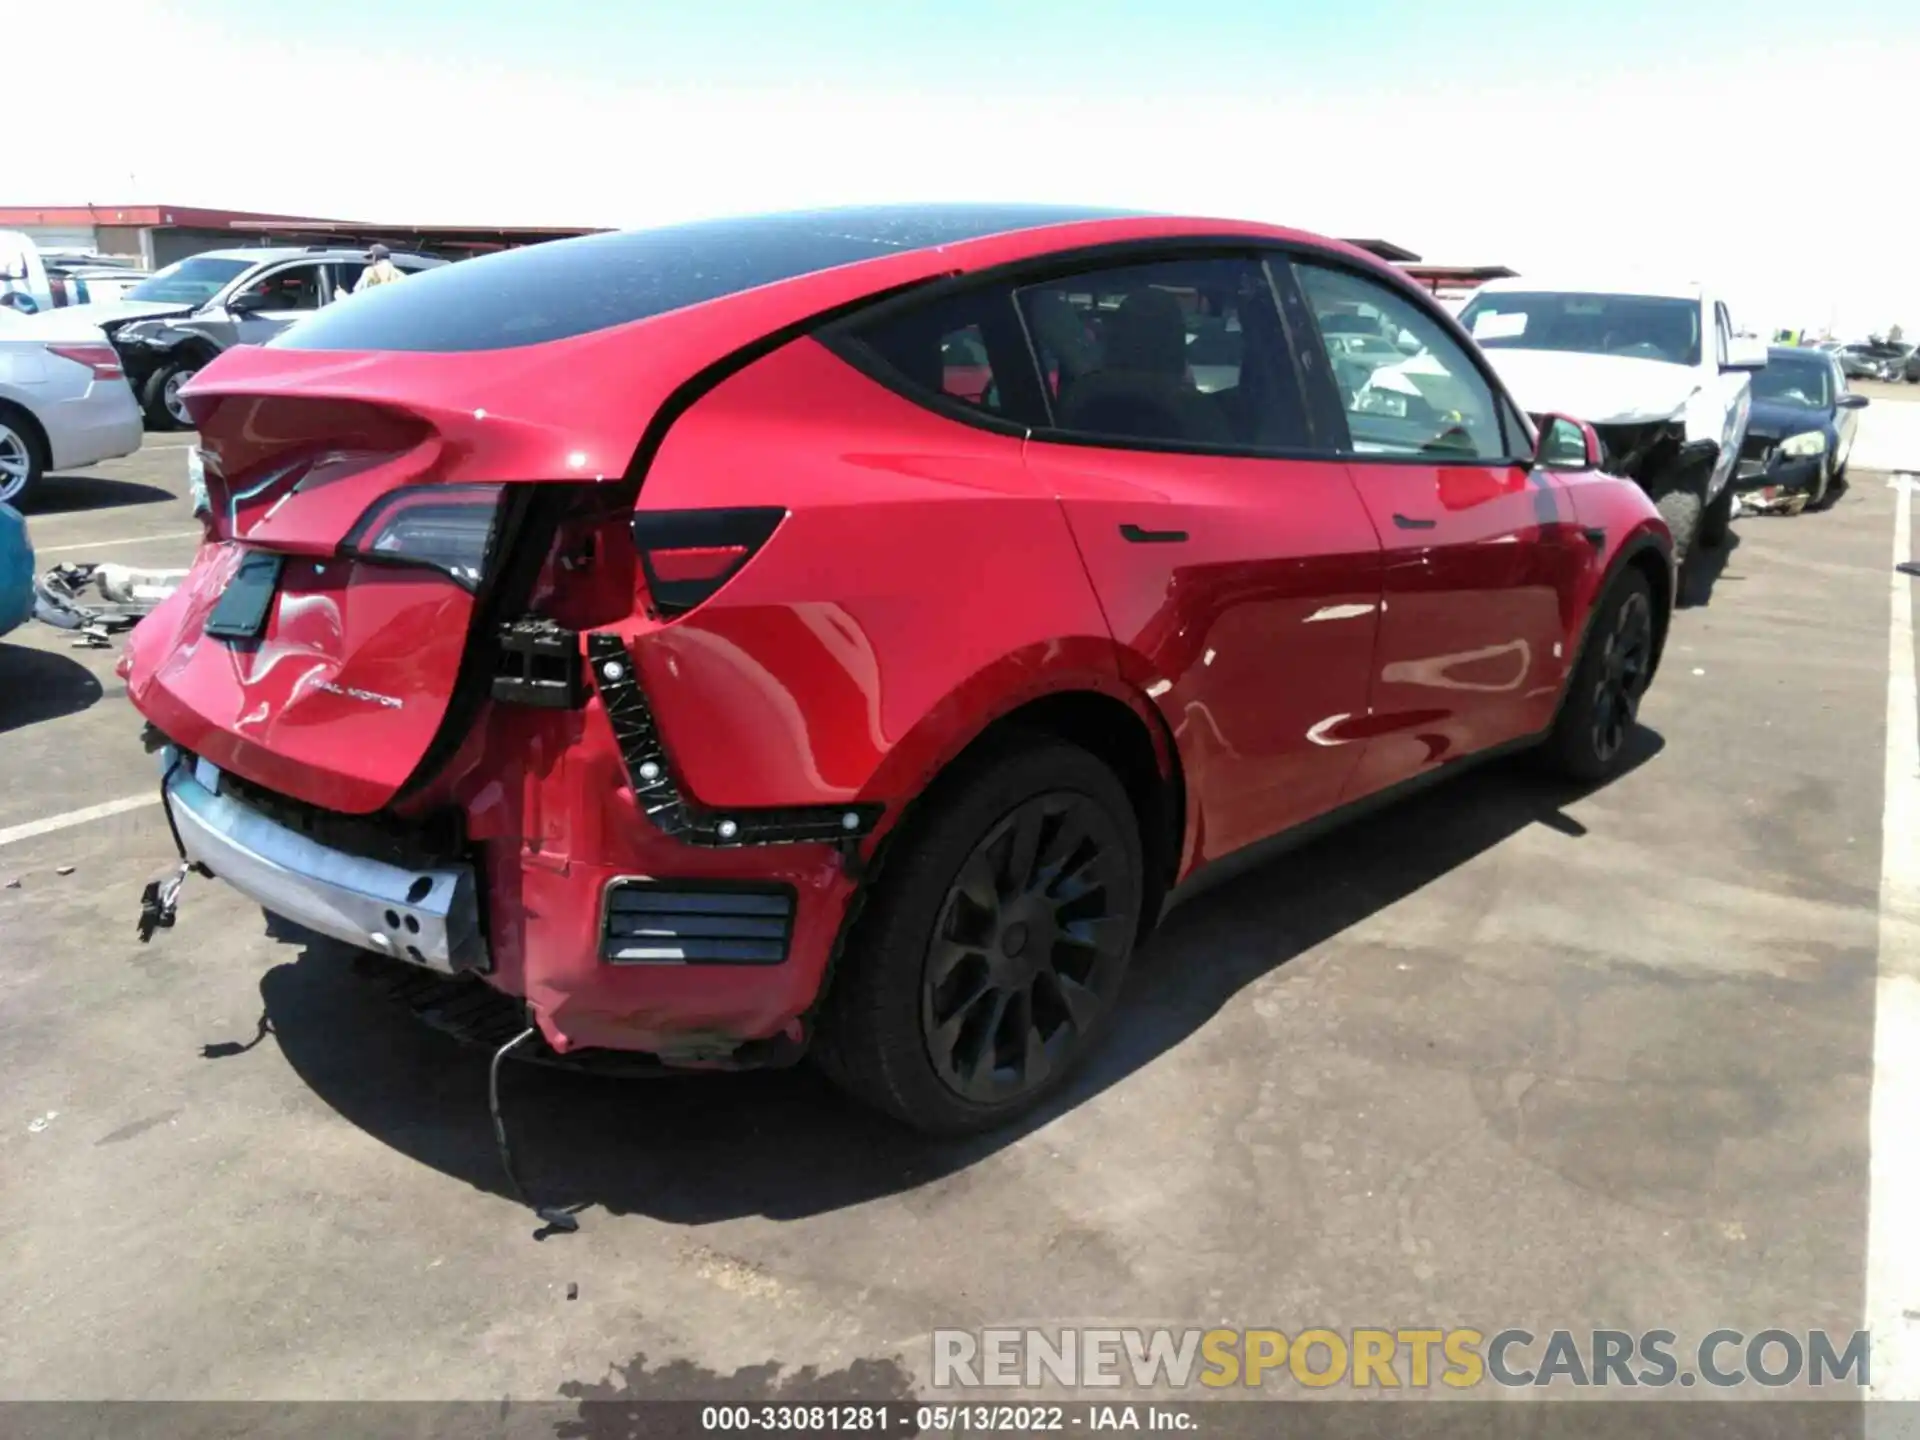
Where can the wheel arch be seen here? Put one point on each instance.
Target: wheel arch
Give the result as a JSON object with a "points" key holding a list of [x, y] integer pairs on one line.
{"points": [[1646, 553], [1098, 713], [195, 350], [29, 424]]}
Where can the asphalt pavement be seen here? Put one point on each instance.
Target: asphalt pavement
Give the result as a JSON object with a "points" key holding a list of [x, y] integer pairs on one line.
{"points": [[1508, 1056]]}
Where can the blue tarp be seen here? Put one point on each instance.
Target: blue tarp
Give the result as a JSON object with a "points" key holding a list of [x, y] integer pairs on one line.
{"points": [[16, 570]]}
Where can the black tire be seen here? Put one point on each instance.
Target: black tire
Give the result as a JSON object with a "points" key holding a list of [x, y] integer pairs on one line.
{"points": [[1822, 486], [881, 1035], [1681, 509], [1718, 519], [1602, 704], [23, 458], [153, 395]]}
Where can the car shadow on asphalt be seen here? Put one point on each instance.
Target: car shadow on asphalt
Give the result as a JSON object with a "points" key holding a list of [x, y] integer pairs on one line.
{"points": [[71, 494], [1706, 567], [38, 685], [784, 1144]]}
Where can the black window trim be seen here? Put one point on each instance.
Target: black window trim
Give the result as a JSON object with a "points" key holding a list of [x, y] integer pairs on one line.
{"points": [[1505, 407], [1033, 270]]}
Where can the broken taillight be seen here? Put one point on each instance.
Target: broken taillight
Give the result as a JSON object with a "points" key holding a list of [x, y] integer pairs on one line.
{"points": [[102, 360], [448, 527], [689, 554]]}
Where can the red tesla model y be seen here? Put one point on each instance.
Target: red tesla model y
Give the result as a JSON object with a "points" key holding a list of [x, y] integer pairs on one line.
{"points": [[838, 633]]}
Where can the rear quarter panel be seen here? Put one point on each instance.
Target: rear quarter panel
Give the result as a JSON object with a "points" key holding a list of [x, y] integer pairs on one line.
{"points": [[921, 585]]}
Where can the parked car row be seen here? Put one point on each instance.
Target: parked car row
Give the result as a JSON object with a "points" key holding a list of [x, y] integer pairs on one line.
{"points": [[1889, 360], [80, 383]]}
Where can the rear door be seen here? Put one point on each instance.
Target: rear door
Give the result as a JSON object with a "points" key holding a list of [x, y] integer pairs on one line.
{"points": [[1483, 553], [1237, 568]]}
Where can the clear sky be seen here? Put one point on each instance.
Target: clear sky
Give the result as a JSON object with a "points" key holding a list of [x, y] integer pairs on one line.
{"points": [[1770, 147]]}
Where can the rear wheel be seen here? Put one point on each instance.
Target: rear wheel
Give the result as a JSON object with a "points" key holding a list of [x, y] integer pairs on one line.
{"points": [[994, 943], [1602, 704], [161, 397], [21, 460], [1681, 510]]}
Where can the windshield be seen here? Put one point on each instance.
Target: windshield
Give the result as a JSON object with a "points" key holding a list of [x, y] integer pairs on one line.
{"points": [[1644, 327], [1806, 385], [188, 282]]}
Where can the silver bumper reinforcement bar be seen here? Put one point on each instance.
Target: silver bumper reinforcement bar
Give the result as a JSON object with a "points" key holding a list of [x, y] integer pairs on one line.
{"points": [[429, 917]]}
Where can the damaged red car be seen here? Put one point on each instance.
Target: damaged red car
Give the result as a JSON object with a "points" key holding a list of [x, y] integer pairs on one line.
{"points": [[840, 633]]}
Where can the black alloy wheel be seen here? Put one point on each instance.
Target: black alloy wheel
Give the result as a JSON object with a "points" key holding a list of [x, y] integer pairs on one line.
{"points": [[1626, 664], [993, 942], [1028, 949]]}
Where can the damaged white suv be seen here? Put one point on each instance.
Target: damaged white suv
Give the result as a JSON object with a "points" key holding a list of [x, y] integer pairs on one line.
{"points": [[1658, 372]]}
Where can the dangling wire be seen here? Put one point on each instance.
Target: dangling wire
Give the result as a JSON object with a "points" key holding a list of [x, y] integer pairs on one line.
{"points": [[556, 1218]]}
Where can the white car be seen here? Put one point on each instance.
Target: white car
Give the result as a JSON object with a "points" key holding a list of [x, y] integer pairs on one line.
{"points": [[64, 403], [1657, 369]]}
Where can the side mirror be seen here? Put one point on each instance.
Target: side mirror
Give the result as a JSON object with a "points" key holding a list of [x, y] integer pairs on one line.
{"points": [[1850, 401], [1568, 444], [247, 302], [1745, 352]]}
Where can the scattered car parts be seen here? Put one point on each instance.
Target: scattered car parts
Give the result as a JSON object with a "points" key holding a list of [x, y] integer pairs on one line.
{"points": [[60, 599]]}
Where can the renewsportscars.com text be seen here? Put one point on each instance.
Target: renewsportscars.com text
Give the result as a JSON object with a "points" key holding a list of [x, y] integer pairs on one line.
{"points": [[1457, 1358]]}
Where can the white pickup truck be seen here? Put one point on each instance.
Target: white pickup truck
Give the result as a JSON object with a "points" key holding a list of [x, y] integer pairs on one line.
{"points": [[1658, 371]]}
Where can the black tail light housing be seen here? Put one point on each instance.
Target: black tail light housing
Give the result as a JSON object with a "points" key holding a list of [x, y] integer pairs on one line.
{"points": [[449, 528], [687, 555]]}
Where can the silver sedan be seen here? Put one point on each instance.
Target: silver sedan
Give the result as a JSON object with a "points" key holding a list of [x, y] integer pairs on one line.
{"points": [[63, 404]]}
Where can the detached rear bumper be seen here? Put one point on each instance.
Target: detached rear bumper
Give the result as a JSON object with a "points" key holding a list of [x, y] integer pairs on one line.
{"points": [[430, 917]]}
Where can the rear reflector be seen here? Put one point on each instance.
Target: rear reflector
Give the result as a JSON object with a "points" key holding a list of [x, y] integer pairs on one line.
{"points": [[697, 562], [693, 923], [447, 527], [689, 554], [103, 360]]}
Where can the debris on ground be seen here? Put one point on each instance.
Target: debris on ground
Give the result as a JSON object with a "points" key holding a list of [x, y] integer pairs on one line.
{"points": [[40, 1122], [1771, 500], [64, 870], [60, 599]]}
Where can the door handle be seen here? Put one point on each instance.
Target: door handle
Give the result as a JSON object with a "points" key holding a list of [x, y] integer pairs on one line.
{"points": [[1151, 537], [1409, 522]]}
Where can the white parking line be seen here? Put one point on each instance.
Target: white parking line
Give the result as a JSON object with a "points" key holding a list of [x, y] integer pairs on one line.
{"points": [[121, 540], [101, 811], [1893, 1203]]}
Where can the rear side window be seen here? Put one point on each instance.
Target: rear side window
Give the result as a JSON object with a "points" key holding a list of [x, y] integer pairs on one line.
{"points": [[1183, 353], [570, 287], [964, 348]]}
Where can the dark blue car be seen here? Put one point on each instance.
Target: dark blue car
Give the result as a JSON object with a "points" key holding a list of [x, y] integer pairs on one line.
{"points": [[1804, 419]]}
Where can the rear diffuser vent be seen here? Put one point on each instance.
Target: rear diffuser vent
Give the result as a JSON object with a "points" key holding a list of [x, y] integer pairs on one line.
{"points": [[682, 922]]}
